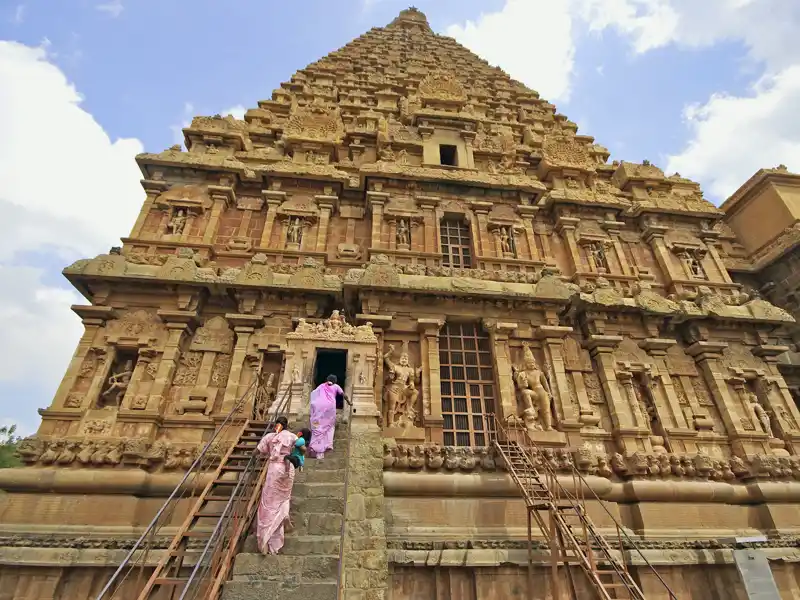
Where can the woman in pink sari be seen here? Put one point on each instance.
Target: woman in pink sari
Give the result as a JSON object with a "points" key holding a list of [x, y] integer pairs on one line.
{"points": [[273, 509], [323, 415]]}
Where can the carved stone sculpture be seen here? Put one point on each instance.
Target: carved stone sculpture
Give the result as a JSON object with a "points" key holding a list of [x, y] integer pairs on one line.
{"points": [[264, 399], [177, 222], [761, 414], [403, 234], [294, 233], [117, 385], [401, 391], [505, 241], [535, 391]]}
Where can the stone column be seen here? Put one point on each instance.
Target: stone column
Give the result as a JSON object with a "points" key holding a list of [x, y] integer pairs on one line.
{"points": [[274, 199], [365, 568], [654, 235], [482, 241], [325, 204], [499, 332], [178, 323], [528, 213], [93, 318], [129, 400], [566, 227], [709, 237], [222, 196], [552, 337], [428, 205], [243, 326], [153, 188], [376, 201], [613, 226], [665, 399], [431, 382], [601, 348]]}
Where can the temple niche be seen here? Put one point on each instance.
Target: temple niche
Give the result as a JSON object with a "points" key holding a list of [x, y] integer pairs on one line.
{"points": [[461, 253]]}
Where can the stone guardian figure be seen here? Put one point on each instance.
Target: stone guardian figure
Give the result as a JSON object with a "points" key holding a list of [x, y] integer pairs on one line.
{"points": [[401, 391], [535, 391]]}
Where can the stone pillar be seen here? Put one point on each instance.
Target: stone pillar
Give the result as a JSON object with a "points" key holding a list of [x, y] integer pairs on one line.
{"points": [[566, 227], [601, 348], [129, 400], [613, 226], [243, 326], [222, 196], [376, 201], [499, 332], [365, 564], [93, 318], [325, 204], [654, 235], [709, 237], [552, 337], [274, 199], [528, 213], [178, 323], [482, 241], [665, 400], [428, 205], [431, 382], [153, 188]]}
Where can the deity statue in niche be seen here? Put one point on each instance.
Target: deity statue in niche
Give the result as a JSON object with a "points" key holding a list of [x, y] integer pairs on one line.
{"points": [[761, 414], [505, 241], [178, 222], [117, 385], [401, 391], [403, 233], [535, 391], [264, 398], [294, 233]]}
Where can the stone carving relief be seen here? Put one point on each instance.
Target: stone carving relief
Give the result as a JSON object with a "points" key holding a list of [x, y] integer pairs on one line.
{"points": [[177, 222], [117, 383], [401, 393], [442, 86], [534, 390], [316, 123], [213, 336], [265, 396], [333, 328]]}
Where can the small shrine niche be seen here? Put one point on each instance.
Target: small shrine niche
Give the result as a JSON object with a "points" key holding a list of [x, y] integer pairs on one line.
{"points": [[403, 219], [298, 215], [506, 228], [182, 207], [595, 247], [119, 379], [690, 253]]}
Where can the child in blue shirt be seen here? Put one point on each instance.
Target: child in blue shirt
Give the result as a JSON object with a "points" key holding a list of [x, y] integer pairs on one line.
{"points": [[297, 457]]}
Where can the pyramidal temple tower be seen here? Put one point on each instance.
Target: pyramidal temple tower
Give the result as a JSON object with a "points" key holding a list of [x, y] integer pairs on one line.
{"points": [[562, 384]]}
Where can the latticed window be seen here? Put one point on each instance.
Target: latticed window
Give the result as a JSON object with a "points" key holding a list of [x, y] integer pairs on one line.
{"points": [[456, 247], [467, 381]]}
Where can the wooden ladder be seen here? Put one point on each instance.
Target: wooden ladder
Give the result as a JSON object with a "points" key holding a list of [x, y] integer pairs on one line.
{"points": [[231, 497], [572, 536]]}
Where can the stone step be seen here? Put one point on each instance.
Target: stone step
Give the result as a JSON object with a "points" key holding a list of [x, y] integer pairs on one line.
{"points": [[274, 590], [317, 505], [281, 567], [317, 523], [318, 490], [299, 545], [320, 476], [330, 462]]}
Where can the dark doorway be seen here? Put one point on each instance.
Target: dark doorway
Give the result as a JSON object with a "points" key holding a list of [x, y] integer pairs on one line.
{"points": [[331, 362]]}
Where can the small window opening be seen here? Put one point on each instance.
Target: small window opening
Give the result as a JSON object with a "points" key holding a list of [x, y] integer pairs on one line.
{"points": [[448, 155]]}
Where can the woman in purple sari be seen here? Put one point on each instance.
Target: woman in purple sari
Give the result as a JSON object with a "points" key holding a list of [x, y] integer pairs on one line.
{"points": [[273, 509], [323, 415]]}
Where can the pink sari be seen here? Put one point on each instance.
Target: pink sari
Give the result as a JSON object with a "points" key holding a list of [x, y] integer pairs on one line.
{"points": [[323, 417], [273, 509]]}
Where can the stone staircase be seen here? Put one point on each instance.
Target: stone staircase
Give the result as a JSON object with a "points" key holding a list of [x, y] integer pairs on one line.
{"points": [[308, 565]]}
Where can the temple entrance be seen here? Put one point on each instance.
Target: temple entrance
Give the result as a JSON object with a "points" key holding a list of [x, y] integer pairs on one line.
{"points": [[331, 362]]}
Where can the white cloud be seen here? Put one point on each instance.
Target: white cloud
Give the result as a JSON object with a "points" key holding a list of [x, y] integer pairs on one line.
{"points": [[237, 111], [66, 191], [113, 8], [513, 36], [732, 137]]}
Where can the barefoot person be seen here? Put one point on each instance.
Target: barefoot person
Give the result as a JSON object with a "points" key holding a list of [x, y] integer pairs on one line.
{"points": [[273, 509], [323, 415]]}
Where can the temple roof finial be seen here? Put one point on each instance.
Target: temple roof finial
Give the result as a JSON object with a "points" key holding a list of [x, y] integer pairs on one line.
{"points": [[411, 16]]}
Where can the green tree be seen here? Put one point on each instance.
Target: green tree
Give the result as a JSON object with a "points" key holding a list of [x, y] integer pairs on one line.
{"points": [[8, 446]]}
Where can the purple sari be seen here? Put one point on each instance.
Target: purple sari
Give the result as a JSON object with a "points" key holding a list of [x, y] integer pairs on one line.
{"points": [[323, 417]]}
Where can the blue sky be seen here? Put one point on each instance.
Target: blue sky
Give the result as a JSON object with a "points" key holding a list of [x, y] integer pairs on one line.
{"points": [[711, 89]]}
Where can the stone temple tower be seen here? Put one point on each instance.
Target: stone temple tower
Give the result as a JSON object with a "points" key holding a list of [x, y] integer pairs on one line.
{"points": [[518, 321]]}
